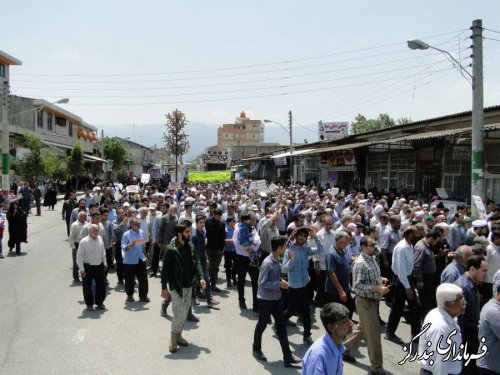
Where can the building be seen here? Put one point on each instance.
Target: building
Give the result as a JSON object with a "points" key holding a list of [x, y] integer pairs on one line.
{"points": [[140, 159], [416, 157], [5, 62], [57, 128], [243, 132]]}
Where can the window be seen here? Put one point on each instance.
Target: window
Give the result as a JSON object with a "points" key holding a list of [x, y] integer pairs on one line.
{"points": [[39, 119], [49, 121], [70, 129], [2, 70]]}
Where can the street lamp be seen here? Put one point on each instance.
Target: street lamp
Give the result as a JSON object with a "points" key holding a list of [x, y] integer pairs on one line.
{"points": [[477, 143], [289, 131]]}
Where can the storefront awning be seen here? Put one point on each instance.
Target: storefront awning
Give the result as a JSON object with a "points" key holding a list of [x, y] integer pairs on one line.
{"points": [[491, 127], [251, 158], [286, 154], [428, 135], [338, 147], [57, 146]]}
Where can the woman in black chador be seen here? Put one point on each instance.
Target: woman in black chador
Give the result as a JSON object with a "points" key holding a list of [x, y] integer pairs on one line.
{"points": [[18, 227]]}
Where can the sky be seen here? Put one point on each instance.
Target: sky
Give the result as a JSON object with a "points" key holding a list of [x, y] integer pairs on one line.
{"points": [[125, 64]]}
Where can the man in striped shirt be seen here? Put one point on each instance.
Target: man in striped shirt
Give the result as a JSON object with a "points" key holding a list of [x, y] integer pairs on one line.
{"points": [[369, 287]]}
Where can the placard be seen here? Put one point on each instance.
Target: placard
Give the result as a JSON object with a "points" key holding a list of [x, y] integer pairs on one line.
{"points": [[174, 185], [145, 178], [132, 189], [481, 210], [441, 192]]}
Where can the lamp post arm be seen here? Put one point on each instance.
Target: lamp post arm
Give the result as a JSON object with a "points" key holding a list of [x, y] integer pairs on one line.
{"points": [[455, 61]]}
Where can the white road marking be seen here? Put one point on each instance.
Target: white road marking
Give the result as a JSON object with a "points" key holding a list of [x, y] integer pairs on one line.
{"points": [[79, 336]]}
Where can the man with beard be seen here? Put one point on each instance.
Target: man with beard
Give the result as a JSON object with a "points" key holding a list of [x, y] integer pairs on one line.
{"points": [[180, 266], [404, 290], [67, 209]]}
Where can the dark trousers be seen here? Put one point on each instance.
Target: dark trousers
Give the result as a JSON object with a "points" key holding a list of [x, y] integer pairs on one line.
{"points": [[298, 301], [155, 259], [470, 337], [38, 207], [94, 273], [214, 259], [350, 303], [243, 265], [75, 266], [388, 274], [230, 265], [320, 289], [397, 308], [132, 271], [109, 259], [427, 294], [68, 226], [266, 309], [119, 260]]}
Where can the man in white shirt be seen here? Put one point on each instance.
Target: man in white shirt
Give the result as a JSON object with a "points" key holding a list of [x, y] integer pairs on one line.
{"points": [[74, 240], [404, 290], [327, 238], [493, 260], [441, 324], [91, 261]]}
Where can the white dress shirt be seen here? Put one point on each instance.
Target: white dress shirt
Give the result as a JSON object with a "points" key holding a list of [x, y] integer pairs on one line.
{"points": [[402, 262], [328, 242], [90, 251], [442, 324]]}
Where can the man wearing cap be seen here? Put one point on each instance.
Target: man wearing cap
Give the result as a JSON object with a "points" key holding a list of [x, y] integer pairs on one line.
{"points": [[479, 228]]}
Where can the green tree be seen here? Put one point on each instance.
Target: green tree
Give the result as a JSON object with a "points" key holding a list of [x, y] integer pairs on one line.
{"points": [[55, 167], [176, 140], [116, 151], [361, 124], [31, 166], [75, 161]]}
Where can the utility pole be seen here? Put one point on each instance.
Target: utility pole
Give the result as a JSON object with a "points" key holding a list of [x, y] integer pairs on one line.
{"points": [[5, 137], [292, 174], [477, 155]]}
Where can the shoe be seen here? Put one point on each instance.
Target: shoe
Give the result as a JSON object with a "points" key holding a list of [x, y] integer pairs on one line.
{"points": [[243, 305], [289, 323], [255, 309], [395, 339], [348, 358], [120, 282], [77, 280], [90, 308], [308, 340], [215, 289], [101, 307], [259, 355], [180, 340], [291, 361], [193, 318], [212, 302], [145, 299], [172, 347], [130, 299]]}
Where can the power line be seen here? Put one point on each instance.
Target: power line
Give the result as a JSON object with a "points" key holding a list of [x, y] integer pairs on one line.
{"points": [[235, 67], [493, 31]]}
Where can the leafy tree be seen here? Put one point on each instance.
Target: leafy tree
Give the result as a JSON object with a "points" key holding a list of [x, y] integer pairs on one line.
{"points": [[361, 124], [31, 166], [176, 140], [116, 151], [55, 167], [75, 161]]}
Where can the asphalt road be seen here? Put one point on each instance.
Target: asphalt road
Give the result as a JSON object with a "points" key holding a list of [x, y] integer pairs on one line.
{"points": [[45, 328]]}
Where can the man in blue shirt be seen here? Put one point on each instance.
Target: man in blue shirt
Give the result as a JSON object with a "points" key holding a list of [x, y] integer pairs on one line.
{"points": [[457, 268], [296, 264], [134, 261], [269, 294], [325, 355]]}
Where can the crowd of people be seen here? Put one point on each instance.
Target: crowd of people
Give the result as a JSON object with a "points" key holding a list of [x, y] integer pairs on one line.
{"points": [[302, 248]]}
